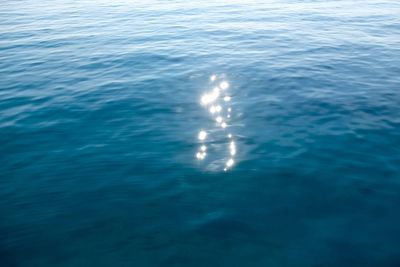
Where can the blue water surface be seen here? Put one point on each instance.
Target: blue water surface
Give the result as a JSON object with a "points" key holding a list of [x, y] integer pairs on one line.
{"points": [[100, 111]]}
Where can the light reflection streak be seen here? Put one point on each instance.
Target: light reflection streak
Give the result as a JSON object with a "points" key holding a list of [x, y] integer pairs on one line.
{"points": [[202, 135], [227, 98], [217, 103], [224, 85]]}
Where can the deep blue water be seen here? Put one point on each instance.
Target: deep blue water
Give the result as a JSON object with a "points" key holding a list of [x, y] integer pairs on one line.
{"points": [[100, 105]]}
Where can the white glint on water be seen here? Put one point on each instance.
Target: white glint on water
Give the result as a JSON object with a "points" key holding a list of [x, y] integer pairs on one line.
{"points": [[200, 155], [213, 109], [217, 104], [232, 148], [202, 135], [210, 98], [230, 163], [224, 85]]}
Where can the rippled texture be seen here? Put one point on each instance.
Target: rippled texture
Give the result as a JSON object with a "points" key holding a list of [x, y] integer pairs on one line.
{"points": [[100, 113]]}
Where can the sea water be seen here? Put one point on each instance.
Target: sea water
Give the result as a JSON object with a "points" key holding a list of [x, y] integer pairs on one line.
{"points": [[109, 156]]}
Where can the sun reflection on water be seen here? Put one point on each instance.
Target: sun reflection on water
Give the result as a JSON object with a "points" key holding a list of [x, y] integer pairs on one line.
{"points": [[216, 102]]}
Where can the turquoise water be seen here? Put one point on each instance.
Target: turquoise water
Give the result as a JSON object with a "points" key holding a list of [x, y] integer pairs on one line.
{"points": [[101, 113]]}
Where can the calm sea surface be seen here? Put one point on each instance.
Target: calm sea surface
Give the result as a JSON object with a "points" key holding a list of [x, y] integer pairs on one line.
{"points": [[118, 147]]}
